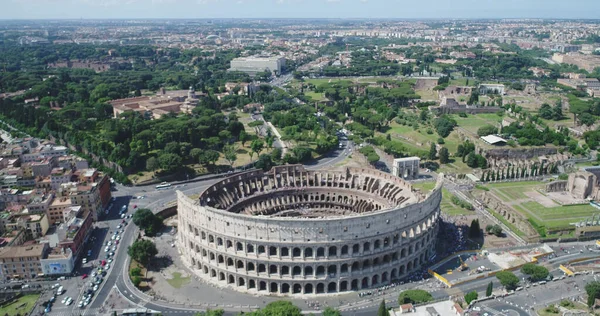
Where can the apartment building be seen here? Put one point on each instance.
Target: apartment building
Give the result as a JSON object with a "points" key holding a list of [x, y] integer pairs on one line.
{"points": [[35, 225], [56, 211], [21, 262]]}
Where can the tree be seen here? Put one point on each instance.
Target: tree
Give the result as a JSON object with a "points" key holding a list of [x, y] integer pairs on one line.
{"points": [[264, 162], [490, 289], [278, 308], [487, 130], [474, 229], [230, 153], [195, 154], [473, 98], [508, 279], [494, 230], [471, 296], [444, 155], [244, 137], [208, 157], [432, 152], [148, 221], [557, 113], [256, 147], [593, 291], [331, 312], [444, 125], [152, 164], [216, 312], [535, 272], [545, 111], [142, 251], [587, 119], [382, 309], [414, 296], [169, 162]]}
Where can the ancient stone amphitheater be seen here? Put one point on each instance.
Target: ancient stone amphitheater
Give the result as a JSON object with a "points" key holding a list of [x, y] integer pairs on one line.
{"points": [[292, 231]]}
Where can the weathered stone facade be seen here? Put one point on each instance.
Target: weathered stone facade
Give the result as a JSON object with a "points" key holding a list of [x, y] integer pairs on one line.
{"points": [[292, 231]]}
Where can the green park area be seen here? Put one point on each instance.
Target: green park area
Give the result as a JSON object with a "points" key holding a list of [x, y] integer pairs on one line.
{"points": [[518, 195], [21, 306], [472, 123], [447, 206]]}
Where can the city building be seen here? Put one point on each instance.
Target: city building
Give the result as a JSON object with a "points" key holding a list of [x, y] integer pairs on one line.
{"points": [[406, 168], [21, 262], [488, 88], [91, 192], [34, 225], [587, 62], [293, 231], [59, 261], [256, 64], [156, 106]]}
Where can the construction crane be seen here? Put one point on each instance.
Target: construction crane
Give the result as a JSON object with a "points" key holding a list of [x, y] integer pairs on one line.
{"points": [[463, 266]]}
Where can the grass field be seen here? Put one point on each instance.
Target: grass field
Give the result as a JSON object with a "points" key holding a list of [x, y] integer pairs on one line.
{"points": [[473, 122], [447, 206], [319, 81], [315, 95], [21, 306], [451, 142], [549, 217], [511, 191], [178, 281]]}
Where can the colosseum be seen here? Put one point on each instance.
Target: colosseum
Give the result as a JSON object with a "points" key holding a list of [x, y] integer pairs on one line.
{"points": [[292, 231]]}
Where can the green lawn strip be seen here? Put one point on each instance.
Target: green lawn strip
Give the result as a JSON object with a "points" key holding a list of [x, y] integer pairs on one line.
{"points": [[21, 306], [315, 95], [177, 281], [501, 195], [531, 184], [507, 223]]}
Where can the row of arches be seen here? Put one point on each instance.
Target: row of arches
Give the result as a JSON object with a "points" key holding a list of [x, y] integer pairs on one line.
{"points": [[365, 282], [366, 247], [310, 271]]}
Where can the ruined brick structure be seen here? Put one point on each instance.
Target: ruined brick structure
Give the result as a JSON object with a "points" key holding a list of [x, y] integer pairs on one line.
{"points": [[292, 231]]}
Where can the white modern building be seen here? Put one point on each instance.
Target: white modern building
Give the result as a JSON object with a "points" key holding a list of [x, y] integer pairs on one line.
{"points": [[256, 64]]}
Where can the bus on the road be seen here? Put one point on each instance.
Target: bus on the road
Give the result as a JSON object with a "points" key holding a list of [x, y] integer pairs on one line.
{"points": [[163, 185]]}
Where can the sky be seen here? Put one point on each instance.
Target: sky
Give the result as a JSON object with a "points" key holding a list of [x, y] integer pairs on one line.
{"points": [[415, 9]]}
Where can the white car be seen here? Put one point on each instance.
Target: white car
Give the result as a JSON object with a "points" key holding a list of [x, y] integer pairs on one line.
{"points": [[118, 238], [64, 300], [84, 260], [69, 301], [110, 260], [107, 266], [95, 288], [114, 248], [113, 237], [109, 243], [106, 249], [123, 215]]}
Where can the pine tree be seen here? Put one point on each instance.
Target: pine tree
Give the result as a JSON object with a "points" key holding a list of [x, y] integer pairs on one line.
{"points": [[482, 177], [382, 309], [487, 177], [432, 152], [490, 289]]}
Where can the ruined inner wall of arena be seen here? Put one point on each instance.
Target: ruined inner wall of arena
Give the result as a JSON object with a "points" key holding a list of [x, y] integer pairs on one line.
{"points": [[296, 231]]}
